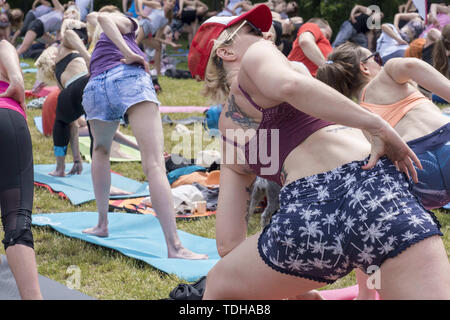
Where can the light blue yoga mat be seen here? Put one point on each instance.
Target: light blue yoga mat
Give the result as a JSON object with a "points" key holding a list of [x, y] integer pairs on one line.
{"points": [[137, 236], [79, 189], [447, 206], [29, 70]]}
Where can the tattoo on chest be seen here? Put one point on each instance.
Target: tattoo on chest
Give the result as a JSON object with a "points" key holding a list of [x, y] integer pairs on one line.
{"points": [[238, 116]]}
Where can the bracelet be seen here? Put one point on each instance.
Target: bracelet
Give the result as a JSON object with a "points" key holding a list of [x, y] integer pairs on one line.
{"points": [[77, 161]]}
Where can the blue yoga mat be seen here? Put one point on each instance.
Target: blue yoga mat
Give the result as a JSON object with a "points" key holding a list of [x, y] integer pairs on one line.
{"points": [[79, 189], [137, 236], [447, 206], [29, 70]]}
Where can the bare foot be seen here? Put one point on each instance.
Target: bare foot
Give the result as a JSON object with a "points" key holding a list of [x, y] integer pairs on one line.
{"points": [[184, 253], [310, 295], [113, 191], [57, 173], [97, 231]]}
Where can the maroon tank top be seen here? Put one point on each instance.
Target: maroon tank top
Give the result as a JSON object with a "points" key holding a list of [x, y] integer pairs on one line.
{"points": [[292, 127]]}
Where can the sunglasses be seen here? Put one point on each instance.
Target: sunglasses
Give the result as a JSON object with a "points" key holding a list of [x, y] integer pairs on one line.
{"points": [[376, 57], [254, 30]]}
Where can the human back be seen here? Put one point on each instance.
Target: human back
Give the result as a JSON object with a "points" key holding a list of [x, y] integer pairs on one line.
{"points": [[424, 118]]}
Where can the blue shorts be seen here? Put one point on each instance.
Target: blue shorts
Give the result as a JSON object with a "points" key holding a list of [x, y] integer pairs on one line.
{"points": [[330, 223], [108, 95], [433, 151]]}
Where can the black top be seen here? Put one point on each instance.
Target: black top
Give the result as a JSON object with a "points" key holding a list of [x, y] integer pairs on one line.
{"points": [[61, 65], [361, 23]]}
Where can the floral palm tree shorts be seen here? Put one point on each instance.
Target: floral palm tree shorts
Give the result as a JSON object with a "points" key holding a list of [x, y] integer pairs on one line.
{"points": [[330, 223]]}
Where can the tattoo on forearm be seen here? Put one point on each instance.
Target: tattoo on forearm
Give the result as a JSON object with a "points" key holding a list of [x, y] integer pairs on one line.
{"points": [[238, 116]]}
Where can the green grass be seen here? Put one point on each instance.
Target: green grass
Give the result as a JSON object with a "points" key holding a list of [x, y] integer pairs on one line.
{"points": [[107, 274]]}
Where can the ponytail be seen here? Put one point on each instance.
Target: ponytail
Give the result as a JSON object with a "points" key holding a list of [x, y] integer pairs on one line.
{"points": [[341, 72]]}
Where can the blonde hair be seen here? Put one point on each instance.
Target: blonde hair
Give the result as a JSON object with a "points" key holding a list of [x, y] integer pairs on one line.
{"points": [[45, 65], [216, 86]]}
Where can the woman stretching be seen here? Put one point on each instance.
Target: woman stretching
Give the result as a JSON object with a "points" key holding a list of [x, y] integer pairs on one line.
{"points": [[68, 65], [16, 172], [120, 86], [340, 208], [387, 91]]}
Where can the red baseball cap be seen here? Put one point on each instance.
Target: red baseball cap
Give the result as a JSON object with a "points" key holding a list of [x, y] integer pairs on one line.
{"points": [[200, 50]]}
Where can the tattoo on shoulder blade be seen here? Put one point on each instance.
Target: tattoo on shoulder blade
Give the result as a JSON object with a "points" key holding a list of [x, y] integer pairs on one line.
{"points": [[238, 116]]}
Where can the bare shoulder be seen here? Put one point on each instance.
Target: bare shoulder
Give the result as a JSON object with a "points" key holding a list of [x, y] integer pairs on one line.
{"points": [[259, 53]]}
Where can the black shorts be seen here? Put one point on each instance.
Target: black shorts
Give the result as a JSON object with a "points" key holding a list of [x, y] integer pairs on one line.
{"points": [[38, 27], [188, 16]]}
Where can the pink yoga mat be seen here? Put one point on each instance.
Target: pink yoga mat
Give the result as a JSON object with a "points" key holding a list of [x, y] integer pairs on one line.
{"points": [[43, 93], [181, 109], [348, 293]]}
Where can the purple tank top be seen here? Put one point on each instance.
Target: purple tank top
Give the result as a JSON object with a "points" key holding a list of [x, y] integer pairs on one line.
{"points": [[106, 55], [292, 127]]}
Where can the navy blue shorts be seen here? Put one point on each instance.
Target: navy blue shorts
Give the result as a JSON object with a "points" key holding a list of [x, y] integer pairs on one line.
{"points": [[433, 151], [331, 223]]}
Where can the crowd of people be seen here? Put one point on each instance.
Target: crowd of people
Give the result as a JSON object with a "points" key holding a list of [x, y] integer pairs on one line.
{"points": [[359, 178]]}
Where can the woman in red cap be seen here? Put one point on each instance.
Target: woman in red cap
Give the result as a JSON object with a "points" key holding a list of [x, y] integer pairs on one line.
{"points": [[343, 204]]}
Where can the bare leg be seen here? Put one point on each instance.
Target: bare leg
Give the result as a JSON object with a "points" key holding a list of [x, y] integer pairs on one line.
{"points": [[103, 133], [60, 167], [420, 272], [253, 279], [28, 40], [364, 293], [145, 122], [22, 262]]}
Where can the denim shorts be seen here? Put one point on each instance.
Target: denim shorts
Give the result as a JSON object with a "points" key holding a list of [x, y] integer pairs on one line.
{"points": [[108, 95], [331, 223], [433, 151]]}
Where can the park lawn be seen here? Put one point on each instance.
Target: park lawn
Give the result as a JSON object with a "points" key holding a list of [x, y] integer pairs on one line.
{"points": [[105, 273]]}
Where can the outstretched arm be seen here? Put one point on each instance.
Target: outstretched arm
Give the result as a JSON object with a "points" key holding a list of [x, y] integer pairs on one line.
{"points": [[10, 71], [315, 98], [402, 70]]}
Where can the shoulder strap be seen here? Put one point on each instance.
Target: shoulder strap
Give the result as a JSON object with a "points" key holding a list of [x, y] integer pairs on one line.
{"points": [[253, 103]]}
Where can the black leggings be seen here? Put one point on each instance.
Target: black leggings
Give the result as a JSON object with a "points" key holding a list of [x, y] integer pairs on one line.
{"points": [[68, 109], [16, 179]]}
